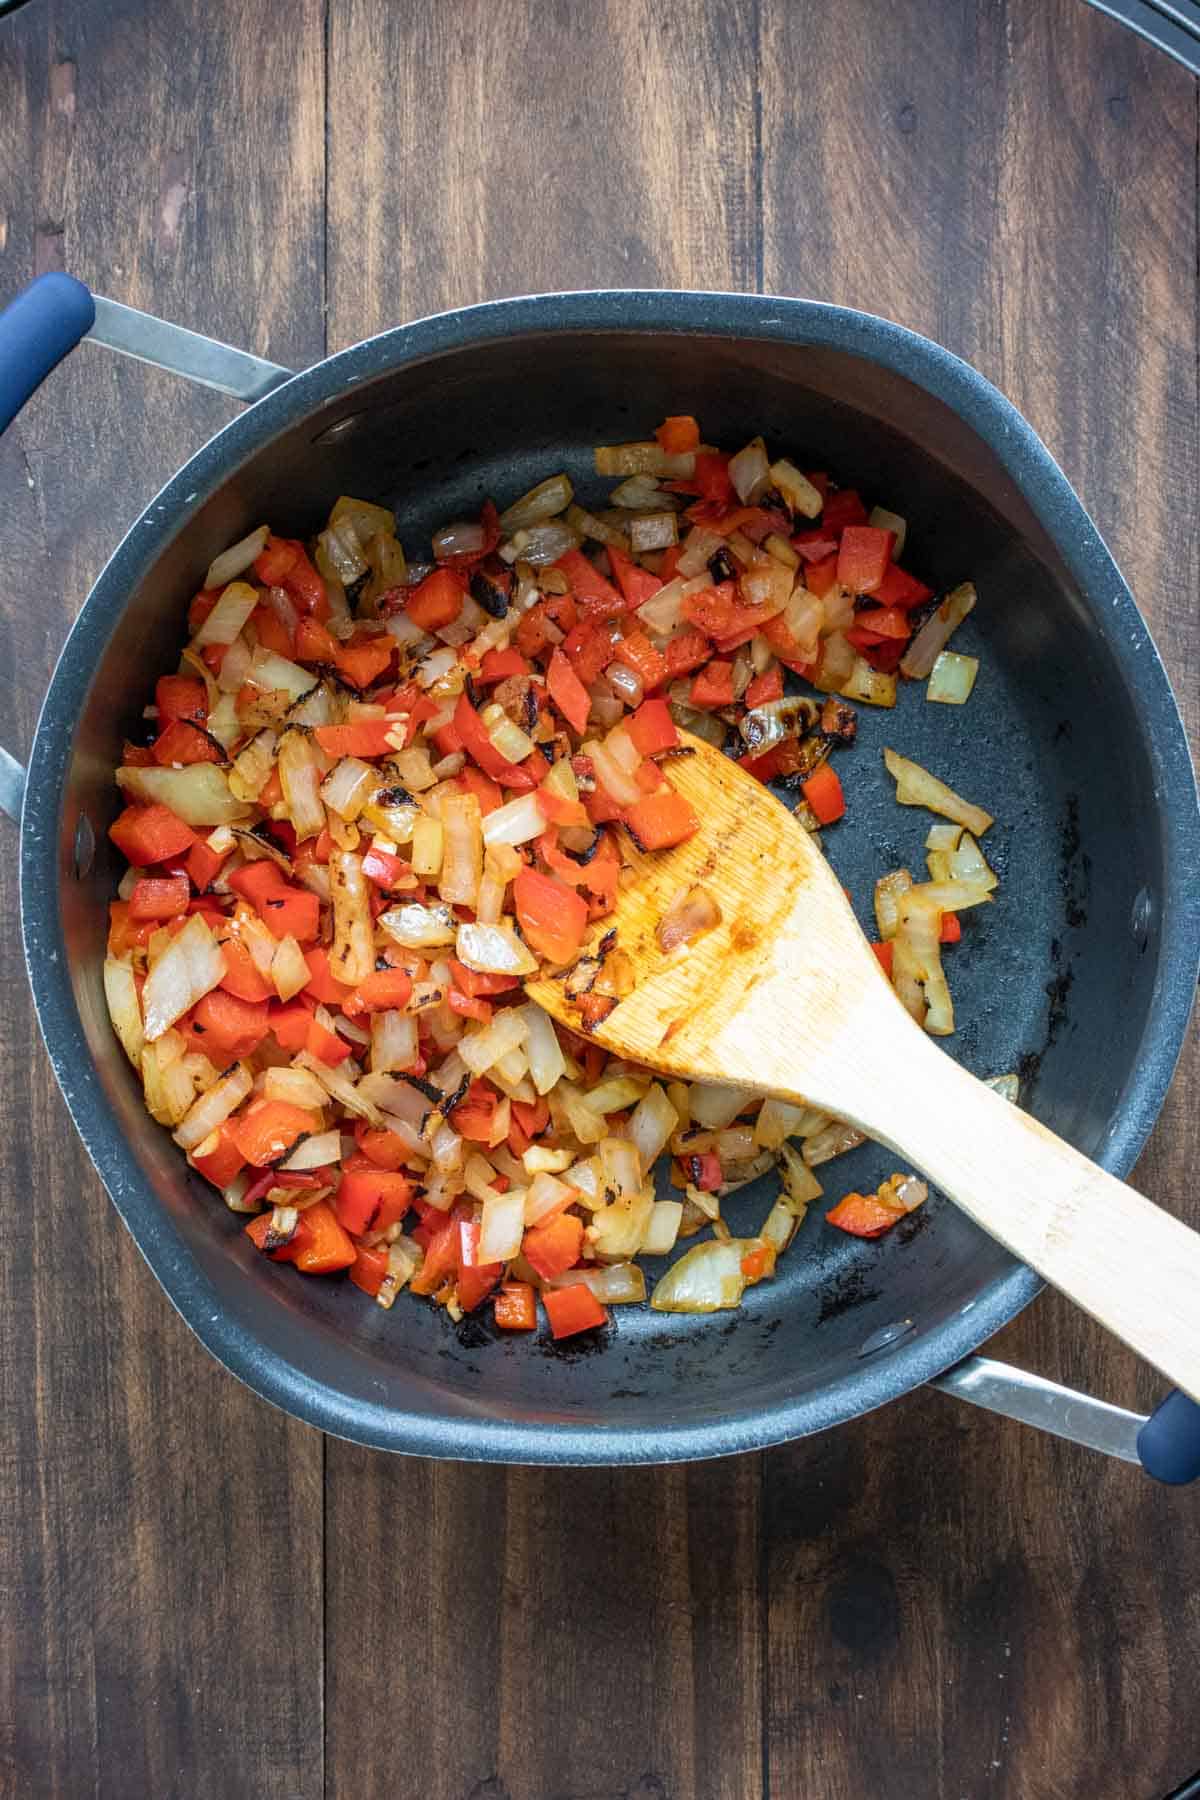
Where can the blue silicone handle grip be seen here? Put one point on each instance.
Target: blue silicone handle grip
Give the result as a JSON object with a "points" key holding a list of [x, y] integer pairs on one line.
{"points": [[1169, 1441], [36, 331]]}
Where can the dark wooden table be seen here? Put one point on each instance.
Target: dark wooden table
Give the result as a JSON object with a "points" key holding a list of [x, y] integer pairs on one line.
{"points": [[199, 1596]]}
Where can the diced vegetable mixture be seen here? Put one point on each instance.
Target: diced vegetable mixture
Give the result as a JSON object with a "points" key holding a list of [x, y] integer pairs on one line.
{"points": [[375, 796]]}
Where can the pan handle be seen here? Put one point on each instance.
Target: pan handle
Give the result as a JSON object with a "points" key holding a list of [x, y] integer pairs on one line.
{"points": [[1167, 1444], [46, 321]]}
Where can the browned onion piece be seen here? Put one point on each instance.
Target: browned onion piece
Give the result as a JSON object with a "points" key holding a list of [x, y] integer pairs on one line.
{"points": [[688, 917]]}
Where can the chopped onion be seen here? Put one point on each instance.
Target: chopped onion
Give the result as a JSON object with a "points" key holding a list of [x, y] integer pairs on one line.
{"points": [[638, 492], [235, 666], [776, 1122], [428, 845], [1007, 1086], [228, 616], [252, 769], [299, 1087], [616, 1092], [213, 1108], [663, 612], [799, 1182], [273, 673], [621, 788], [419, 927], [716, 1106], [462, 851], [120, 994], [352, 953], [480, 1049], [653, 531], [289, 970], [493, 950], [781, 550], [437, 666], [666, 1216], [643, 459], [348, 786], [316, 1152], [301, 768], [190, 967], [589, 526], [198, 793], [507, 738], [707, 1278], [915, 786], [415, 769], [834, 1140], [768, 583], [750, 472], [544, 501], [652, 1123], [836, 662], [883, 520], [338, 1084], [620, 1228], [872, 687], [618, 1284], [394, 1042], [780, 1224], [545, 1195], [546, 1062], [625, 684], [943, 837], [516, 822], [764, 726], [797, 491], [952, 678], [968, 863], [501, 1226], [542, 543], [935, 633], [462, 537], [888, 890]]}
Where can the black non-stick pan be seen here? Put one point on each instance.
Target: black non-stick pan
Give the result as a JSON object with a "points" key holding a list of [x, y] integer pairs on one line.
{"points": [[1080, 978]]}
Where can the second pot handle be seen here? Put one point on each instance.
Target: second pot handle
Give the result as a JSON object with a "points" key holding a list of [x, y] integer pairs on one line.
{"points": [[1167, 1444], [56, 312]]}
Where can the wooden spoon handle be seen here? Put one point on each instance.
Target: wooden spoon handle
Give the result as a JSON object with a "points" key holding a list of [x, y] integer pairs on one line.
{"points": [[1131, 1265]]}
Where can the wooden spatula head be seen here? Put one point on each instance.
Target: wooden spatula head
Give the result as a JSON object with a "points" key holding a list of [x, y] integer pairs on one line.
{"points": [[786, 939]]}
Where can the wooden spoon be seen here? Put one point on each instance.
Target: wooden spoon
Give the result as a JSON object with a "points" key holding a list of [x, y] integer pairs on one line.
{"points": [[785, 996]]}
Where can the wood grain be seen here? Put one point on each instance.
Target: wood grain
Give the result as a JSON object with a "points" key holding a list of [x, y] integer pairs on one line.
{"points": [[927, 1604], [1020, 182], [598, 1619], [160, 1555]]}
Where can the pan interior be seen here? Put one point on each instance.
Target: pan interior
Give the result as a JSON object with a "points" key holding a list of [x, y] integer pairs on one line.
{"points": [[1053, 981]]}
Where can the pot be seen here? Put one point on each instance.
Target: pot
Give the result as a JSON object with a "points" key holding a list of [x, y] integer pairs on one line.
{"points": [[1083, 984]]}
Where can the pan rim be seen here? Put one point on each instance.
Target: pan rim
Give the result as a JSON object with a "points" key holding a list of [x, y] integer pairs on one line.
{"points": [[748, 317]]}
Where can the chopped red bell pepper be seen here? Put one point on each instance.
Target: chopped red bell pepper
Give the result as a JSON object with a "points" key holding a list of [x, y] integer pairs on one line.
{"points": [[383, 990], [366, 738], [181, 697], [648, 664], [286, 911], [686, 651], [765, 687], [678, 434], [823, 791], [313, 643], [228, 1027], [271, 1128], [951, 929], [204, 865], [636, 584], [515, 1306], [384, 868], [552, 916], [289, 1021], [370, 1199], [705, 1171], [884, 622], [863, 556], [437, 601], [884, 953], [554, 1247], [567, 691], [661, 820], [224, 1161], [369, 1268], [820, 577], [498, 665], [325, 1045], [284, 563], [150, 834], [160, 897], [841, 509], [185, 742], [862, 1215], [713, 686], [652, 728], [589, 649], [899, 588], [572, 1309], [598, 598], [478, 744], [364, 662]]}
